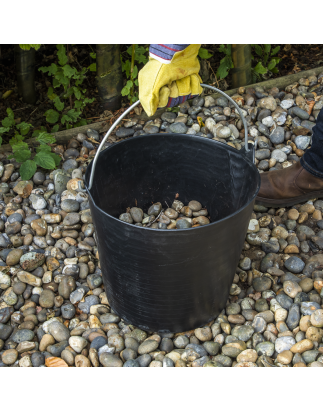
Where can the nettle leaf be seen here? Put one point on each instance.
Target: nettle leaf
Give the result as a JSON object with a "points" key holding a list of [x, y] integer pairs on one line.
{"points": [[23, 128], [51, 70], [260, 68], [22, 155], [258, 50], [69, 71], [52, 116], [45, 138], [82, 122], [28, 169], [57, 159], [43, 147], [61, 54], [59, 105], [78, 104], [92, 67], [275, 50], [93, 55], [45, 160], [204, 54], [4, 130], [88, 100], [19, 145], [16, 140]]}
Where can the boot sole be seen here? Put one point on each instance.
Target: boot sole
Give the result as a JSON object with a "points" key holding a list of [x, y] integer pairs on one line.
{"points": [[288, 202]]}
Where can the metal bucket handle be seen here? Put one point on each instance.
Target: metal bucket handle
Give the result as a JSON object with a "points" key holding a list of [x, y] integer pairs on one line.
{"points": [[246, 147]]}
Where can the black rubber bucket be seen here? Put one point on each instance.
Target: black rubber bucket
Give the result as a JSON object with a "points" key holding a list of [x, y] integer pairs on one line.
{"points": [[170, 280]]}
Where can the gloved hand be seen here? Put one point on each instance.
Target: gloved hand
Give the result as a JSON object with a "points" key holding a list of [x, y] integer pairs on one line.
{"points": [[162, 85]]}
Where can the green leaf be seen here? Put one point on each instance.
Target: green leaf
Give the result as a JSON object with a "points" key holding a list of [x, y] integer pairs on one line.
{"points": [[0, 141], [10, 114], [82, 122], [19, 145], [59, 105], [52, 116], [275, 50], [55, 128], [65, 119], [92, 67], [78, 104], [23, 128], [260, 68], [57, 159], [73, 114], [22, 155], [126, 67], [16, 139], [134, 72], [28, 169], [271, 64], [267, 48], [4, 130], [93, 55], [45, 160], [45, 138], [275, 70], [224, 67], [126, 89], [43, 147], [77, 92], [69, 71], [136, 82], [258, 50], [50, 93], [37, 132], [62, 57], [29, 46], [204, 54], [62, 80]]}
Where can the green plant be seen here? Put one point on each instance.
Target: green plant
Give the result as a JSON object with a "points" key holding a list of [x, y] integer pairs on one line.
{"points": [[29, 46], [9, 127], [68, 82], [204, 53], [44, 157], [138, 54], [264, 66], [21, 153], [226, 63]]}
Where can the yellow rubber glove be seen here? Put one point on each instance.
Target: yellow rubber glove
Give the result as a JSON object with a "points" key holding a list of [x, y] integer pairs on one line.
{"points": [[162, 85]]}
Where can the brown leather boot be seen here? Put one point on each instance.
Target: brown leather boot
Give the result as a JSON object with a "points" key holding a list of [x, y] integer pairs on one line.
{"points": [[292, 185]]}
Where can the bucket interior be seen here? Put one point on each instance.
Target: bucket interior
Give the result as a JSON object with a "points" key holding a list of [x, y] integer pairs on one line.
{"points": [[150, 168]]}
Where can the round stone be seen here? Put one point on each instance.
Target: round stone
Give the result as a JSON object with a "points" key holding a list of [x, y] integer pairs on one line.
{"points": [[295, 265]]}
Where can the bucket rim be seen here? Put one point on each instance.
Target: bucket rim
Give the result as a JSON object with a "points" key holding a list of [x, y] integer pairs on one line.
{"points": [[191, 137]]}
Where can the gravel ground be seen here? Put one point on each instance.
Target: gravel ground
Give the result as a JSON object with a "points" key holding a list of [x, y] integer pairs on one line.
{"points": [[53, 307]]}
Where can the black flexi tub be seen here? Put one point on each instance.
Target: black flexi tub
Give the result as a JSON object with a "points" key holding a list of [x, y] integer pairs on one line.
{"points": [[170, 280]]}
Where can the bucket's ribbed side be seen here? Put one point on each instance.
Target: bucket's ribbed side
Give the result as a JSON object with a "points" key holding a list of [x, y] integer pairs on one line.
{"points": [[169, 281]]}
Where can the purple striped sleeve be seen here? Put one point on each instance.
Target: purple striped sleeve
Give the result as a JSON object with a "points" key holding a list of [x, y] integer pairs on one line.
{"points": [[165, 52]]}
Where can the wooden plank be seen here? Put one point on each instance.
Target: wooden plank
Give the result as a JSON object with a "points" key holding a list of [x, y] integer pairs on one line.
{"points": [[62, 137]]}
